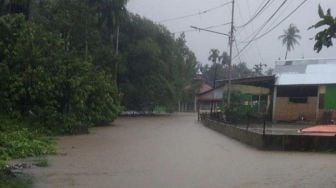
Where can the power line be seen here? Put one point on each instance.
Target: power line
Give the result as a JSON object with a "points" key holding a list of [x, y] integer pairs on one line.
{"points": [[255, 15], [202, 29], [238, 51], [220, 25], [262, 27], [257, 45], [184, 31], [272, 24], [284, 19], [194, 14], [209, 27], [281, 14], [243, 18]]}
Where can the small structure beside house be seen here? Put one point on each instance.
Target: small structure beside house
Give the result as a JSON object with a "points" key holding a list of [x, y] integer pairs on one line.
{"points": [[257, 89], [305, 90], [198, 85]]}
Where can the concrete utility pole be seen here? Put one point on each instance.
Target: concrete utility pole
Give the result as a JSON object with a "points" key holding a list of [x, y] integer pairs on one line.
{"points": [[231, 40], [231, 45]]}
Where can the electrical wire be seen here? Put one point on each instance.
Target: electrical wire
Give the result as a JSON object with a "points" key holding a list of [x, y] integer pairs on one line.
{"points": [[209, 27], [284, 19], [238, 31], [216, 26], [240, 61], [262, 27], [256, 44], [195, 14], [255, 15]]}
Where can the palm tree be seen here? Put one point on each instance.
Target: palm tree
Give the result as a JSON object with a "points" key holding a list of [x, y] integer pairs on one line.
{"points": [[224, 59], [214, 57], [290, 38]]}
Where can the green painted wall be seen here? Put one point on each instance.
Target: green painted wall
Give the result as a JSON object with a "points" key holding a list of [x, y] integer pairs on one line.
{"points": [[330, 97]]}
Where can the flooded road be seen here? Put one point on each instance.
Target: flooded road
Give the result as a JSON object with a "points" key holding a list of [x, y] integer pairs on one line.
{"points": [[177, 152]]}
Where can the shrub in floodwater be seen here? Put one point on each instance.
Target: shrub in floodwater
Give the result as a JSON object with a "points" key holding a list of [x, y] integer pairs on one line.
{"points": [[17, 140], [238, 109], [21, 181], [42, 162]]}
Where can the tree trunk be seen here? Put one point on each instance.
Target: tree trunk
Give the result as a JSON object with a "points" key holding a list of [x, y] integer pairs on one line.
{"points": [[286, 54], [116, 68], [86, 40], [215, 76]]}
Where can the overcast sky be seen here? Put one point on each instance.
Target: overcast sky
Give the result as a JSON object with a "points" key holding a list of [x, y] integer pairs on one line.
{"points": [[266, 50]]}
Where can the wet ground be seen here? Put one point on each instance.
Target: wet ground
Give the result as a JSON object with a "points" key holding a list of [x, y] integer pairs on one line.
{"points": [[176, 151]]}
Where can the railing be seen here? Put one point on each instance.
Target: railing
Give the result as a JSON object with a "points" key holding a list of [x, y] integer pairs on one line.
{"points": [[248, 122]]}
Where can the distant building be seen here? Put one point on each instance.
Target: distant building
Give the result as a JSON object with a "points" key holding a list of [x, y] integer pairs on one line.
{"points": [[189, 101], [258, 92]]}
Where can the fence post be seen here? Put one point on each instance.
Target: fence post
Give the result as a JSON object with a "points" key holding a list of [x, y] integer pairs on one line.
{"points": [[264, 126], [248, 123]]}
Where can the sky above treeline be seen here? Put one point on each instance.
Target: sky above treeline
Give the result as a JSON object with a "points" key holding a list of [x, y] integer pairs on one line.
{"points": [[266, 50]]}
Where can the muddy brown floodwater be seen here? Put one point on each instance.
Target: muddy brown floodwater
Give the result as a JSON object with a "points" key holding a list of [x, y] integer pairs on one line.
{"points": [[176, 152]]}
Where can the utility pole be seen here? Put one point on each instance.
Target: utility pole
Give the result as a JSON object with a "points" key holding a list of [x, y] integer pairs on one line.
{"points": [[231, 45], [231, 40]]}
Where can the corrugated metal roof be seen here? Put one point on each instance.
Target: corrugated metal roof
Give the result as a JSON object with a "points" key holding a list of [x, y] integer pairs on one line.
{"points": [[307, 73]]}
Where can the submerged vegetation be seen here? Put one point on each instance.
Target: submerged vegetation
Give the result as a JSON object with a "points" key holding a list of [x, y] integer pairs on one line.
{"points": [[68, 65], [19, 140], [15, 182]]}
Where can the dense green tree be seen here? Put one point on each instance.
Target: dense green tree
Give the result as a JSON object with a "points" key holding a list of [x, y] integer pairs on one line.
{"points": [[290, 38], [259, 69], [43, 81], [324, 37], [61, 66], [156, 67]]}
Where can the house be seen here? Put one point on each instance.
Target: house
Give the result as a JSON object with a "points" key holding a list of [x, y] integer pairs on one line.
{"points": [[300, 90], [304, 90], [257, 89]]}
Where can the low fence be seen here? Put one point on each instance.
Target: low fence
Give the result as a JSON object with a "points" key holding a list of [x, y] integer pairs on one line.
{"points": [[260, 122], [265, 141]]}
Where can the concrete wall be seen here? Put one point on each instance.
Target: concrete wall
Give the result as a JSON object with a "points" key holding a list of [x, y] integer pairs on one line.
{"points": [[274, 142], [249, 138], [289, 111]]}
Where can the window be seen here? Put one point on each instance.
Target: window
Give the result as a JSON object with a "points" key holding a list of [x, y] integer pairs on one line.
{"points": [[288, 63], [298, 99]]}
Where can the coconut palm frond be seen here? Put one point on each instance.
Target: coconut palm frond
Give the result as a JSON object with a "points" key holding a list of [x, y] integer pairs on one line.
{"points": [[290, 38]]}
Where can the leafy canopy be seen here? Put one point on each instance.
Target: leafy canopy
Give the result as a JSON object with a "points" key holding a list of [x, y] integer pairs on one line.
{"points": [[324, 37]]}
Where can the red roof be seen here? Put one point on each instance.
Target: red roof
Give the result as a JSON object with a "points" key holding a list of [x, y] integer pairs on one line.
{"points": [[320, 129], [205, 88]]}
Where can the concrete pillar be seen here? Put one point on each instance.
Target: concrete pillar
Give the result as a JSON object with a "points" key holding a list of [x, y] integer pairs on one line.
{"points": [[179, 106], [275, 95], [195, 104], [259, 100], [318, 104]]}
